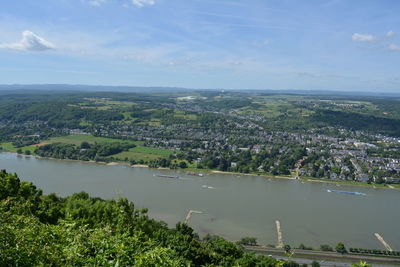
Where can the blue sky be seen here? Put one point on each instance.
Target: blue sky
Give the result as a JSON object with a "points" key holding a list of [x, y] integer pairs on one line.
{"points": [[346, 45]]}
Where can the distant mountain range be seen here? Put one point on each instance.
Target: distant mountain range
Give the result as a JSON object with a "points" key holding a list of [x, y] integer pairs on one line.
{"points": [[141, 89]]}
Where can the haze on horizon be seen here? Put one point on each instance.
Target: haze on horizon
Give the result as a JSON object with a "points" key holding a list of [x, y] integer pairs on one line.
{"points": [[257, 44]]}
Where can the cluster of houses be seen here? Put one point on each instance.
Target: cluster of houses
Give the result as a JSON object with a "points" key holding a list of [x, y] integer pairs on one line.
{"points": [[344, 155]]}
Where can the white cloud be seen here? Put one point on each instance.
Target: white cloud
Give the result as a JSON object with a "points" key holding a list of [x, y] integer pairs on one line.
{"points": [[30, 42], [142, 3], [394, 47], [235, 63], [390, 34], [260, 44], [138, 3], [96, 2], [358, 37]]}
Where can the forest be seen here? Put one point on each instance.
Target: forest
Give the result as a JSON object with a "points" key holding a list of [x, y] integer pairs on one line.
{"points": [[86, 151]]}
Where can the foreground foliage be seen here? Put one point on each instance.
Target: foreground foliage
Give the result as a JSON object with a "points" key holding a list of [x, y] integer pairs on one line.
{"points": [[80, 230]]}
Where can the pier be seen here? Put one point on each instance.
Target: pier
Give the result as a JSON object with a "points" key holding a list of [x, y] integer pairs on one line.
{"points": [[383, 242], [189, 215], [279, 232]]}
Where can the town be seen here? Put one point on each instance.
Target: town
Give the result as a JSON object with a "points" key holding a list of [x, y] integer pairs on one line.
{"points": [[277, 135]]}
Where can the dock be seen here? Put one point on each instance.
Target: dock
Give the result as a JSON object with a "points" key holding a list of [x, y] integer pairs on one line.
{"points": [[279, 232], [383, 242], [189, 215]]}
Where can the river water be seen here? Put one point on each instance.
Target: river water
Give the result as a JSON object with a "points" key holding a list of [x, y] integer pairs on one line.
{"points": [[233, 206]]}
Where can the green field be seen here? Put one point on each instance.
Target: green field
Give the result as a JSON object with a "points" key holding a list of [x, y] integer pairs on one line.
{"points": [[8, 147], [137, 153], [77, 139], [183, 115], [143, 153]]}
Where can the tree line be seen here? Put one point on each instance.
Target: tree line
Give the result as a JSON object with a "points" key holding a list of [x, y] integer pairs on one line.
{"points": [[86, 151]]}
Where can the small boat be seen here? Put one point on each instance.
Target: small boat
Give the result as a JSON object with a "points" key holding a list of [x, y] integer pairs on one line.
{"points": [[195, 174], [345, 192], [166, 176]]}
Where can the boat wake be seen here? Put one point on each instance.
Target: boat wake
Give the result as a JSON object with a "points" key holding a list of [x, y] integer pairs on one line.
{"points": [[166, 176], [345, 192]]}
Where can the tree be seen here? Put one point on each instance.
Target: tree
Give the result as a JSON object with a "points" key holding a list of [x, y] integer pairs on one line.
{"points": [[361, 264], [182, 165], [325, 247], [19, 151], [304, 247], [315, 264], [27, 152], [85, 145], [340, 248], [291, 264], [287, 248], [248, 241]]}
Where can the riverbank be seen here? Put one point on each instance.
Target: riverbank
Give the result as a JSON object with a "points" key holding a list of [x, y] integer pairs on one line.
{"points": [[256, 174], [303, 179], [351, 183], [306, 179], [113, 163]]}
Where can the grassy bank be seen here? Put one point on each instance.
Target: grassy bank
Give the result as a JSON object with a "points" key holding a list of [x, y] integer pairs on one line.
{"points": [[137, 153], [143, 153]]}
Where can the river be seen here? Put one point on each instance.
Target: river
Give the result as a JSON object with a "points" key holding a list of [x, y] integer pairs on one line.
{"points": [[233, 206]]}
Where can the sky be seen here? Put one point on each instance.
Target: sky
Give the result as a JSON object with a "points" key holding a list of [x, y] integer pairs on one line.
{"points": [[344, 45]]}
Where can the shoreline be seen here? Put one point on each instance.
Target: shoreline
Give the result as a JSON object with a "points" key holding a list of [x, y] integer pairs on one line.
{"points": [[209, 171], [253, 174], [111, 163]]}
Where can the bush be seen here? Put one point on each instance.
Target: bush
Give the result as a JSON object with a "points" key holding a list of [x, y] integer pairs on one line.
{"points": [[182, 165], [248, 241], [340, 248], [325, 247], [304, 247], [374, 251]]}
